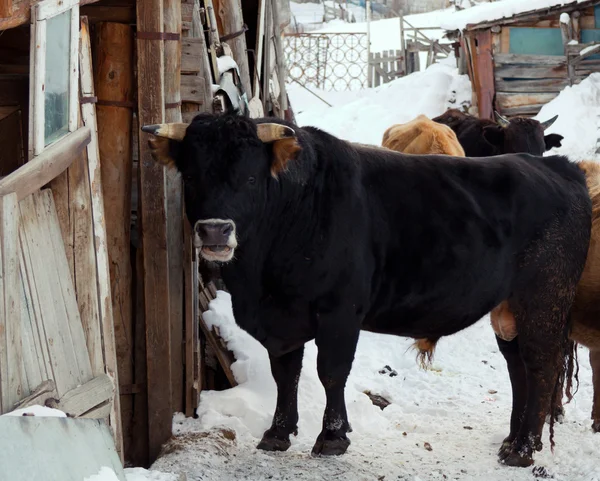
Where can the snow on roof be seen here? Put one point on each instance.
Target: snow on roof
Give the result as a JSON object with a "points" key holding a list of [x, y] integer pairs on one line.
{"points": [[489, 12]]}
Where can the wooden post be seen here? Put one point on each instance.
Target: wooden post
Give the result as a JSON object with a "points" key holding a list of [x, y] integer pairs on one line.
{"points": [[11, 354], [88, 114], [114, 88], [172, 13], [576, 30], [266, 92], [151, 110], [231, 22]]}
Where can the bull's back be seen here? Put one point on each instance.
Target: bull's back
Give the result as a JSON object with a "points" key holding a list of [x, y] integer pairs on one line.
{"points": [[456, 230]]}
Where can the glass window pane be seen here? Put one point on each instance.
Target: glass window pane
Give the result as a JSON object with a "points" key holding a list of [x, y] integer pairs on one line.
{"points": [[58, 40]]}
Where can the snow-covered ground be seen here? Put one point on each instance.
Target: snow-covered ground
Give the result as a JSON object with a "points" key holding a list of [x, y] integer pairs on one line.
{"points": [[460, 407], [578, 110], [364, 115], [385, 33]]}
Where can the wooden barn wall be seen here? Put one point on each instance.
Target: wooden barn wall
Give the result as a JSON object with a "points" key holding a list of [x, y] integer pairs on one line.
{"points": [[530, 67]]}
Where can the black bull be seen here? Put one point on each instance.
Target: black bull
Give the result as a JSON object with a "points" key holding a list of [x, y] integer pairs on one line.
{"points": [[319, 238]]}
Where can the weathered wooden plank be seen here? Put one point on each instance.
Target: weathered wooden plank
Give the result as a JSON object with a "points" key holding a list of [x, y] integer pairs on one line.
{"points": [[192, 89], [534, 60], [84, 254], [33, 359], [11, 354], [191, 62], [151, 110], [6, 8], [34, 310], [513, 100], [87, 396], [174, 193], [55, 334], [190, 312], [114, 82], [88, 113], [99, 412], [486, 75], [531, 72], [531, 86], [39, 395], [63, 284], [46, 166], [521, 110], [95, 13]]}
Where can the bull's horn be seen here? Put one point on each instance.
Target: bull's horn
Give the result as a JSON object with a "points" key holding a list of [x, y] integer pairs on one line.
{"points": [[175, 131], [501, 121], [272, 132], [549, 122]]}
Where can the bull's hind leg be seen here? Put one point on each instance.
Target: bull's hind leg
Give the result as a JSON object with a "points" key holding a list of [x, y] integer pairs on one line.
{"points": [[518, 381], [595, 363], [286, 372], [541, 342], [336, 343]]}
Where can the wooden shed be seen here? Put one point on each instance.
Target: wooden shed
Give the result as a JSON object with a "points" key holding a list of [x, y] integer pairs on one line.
{"points": [[519, 58], [100, 291]]}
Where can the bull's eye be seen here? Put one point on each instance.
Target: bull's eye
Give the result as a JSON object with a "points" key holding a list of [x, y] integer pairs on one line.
{"points": [[251, 180]]}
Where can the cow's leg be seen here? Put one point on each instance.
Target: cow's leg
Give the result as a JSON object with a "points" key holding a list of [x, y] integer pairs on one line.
{"points": [[286, 372], [542, 338], [518, 381], [595, 363], [336, 343]]}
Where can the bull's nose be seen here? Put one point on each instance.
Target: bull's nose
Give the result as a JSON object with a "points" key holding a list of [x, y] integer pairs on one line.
{"points": [[215, 234]]}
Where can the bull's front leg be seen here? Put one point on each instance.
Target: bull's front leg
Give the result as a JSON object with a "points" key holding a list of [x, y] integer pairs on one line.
{"points": [[336, 341], [595, 363], [286, 372]]}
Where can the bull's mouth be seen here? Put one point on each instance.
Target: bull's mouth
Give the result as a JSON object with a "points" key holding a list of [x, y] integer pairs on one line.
{"points": [[217, 253]]}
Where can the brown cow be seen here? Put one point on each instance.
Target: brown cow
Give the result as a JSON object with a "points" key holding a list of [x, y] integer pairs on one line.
{"points": [[585, 312], [422, 136]]}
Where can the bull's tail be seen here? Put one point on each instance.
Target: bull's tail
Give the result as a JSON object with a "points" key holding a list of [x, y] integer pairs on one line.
{"points": [[568, 370], [426, 349]]}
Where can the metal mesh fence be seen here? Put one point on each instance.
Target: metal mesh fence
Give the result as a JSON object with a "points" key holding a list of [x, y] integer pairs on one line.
{"points": [[327, 61]]}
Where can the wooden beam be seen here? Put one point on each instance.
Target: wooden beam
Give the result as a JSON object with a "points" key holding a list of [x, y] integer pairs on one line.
{"points": [[44, 391], [6, 8], [84, 398], [174, 193], [114, 81], [231, 21], [11, 353], [88, 113], [49, 164], [531, 85], [486, 75], [151, 110], [190, 315]]}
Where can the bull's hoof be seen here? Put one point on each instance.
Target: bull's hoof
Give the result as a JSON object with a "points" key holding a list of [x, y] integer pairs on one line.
{"points": [[517, 460], [330, 445], [510, 455], [274, 442], [596, 426]]}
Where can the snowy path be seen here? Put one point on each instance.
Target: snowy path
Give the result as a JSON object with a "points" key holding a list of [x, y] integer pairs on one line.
{"points": [[453, 407]]}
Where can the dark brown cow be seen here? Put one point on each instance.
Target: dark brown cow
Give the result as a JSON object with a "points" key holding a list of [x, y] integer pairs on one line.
{"points": [[486, 138]]}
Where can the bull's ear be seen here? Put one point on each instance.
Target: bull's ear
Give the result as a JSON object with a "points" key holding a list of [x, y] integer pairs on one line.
{"points": [[161, 145], [284, 151], [493, 134], [285, 145], [553, 140]]}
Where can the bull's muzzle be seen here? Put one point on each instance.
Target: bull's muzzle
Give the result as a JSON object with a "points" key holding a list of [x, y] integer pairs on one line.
{"points": [[216, 239]]}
